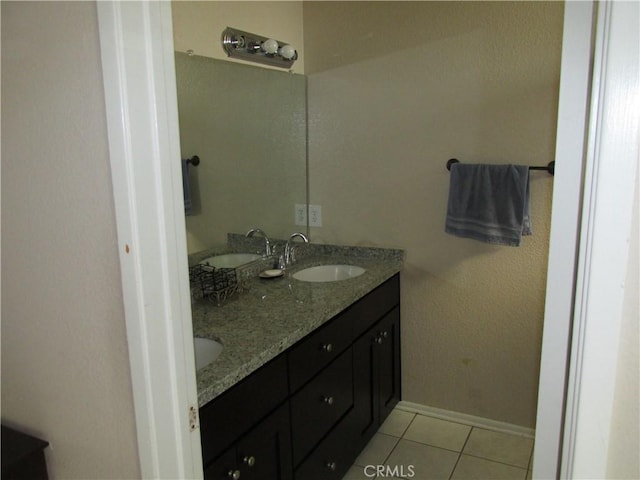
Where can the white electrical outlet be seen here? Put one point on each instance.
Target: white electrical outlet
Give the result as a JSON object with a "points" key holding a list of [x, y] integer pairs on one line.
{"points": [[315, 216], [300, 214]]}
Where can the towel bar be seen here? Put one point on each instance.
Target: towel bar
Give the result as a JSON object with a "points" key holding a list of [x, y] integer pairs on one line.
{"points": [[195, 160], [551, 166]]}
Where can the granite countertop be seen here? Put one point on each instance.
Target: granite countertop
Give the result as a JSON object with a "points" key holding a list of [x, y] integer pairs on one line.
{"points": [[270, 315]]}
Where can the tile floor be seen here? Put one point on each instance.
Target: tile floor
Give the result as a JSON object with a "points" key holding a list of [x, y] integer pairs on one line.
{"points": [[420, 447]]}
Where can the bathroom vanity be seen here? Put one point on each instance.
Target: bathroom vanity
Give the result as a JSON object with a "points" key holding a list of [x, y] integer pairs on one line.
{"points": [[320, 371]]}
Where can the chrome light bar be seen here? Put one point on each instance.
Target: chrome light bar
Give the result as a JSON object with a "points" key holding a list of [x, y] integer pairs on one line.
{"points": [[256, 48]]}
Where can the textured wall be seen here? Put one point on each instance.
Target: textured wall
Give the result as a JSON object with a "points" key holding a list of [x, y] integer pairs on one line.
{"points": [[65, 366], [396, 89]]}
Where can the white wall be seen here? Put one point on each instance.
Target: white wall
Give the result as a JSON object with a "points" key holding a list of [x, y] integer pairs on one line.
{"points": [[65, 365], [419, 83]]}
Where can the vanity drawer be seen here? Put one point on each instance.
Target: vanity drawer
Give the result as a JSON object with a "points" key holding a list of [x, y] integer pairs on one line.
{"points": [[225, 418], [332, 458], [316, 351], [320, 404], [373, 306]]}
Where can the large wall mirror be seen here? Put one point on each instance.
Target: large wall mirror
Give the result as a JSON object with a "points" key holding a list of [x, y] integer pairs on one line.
{"points": [[248, 127]]}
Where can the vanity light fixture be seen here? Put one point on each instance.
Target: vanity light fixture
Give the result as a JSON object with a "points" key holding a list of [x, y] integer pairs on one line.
{"points": [[255, 48]]}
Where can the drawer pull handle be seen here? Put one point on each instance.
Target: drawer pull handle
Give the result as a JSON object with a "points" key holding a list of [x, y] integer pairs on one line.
{"points": [[328, 400], [327, 347], [234, 474], [332, 466], [249, 460]]}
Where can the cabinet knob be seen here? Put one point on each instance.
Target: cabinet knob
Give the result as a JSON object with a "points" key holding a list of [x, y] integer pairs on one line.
{"points": [[249, 460], [328, 400], [327, 347], [331, 466], [384, 334], [377, 340], [234, 474]]}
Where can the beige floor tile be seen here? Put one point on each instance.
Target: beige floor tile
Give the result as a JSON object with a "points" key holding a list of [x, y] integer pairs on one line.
{"points": [[438, 433], [356, 472], [500, 447], [396, 423], [474, 468], [420, 461], [377, 450]]}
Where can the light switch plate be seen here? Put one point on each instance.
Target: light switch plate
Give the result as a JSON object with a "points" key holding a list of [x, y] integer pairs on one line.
{"points": [[300, 214], [315, 216]]}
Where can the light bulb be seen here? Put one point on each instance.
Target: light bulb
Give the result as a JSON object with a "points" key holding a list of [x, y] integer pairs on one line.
{"points": [[270, 46], [288, 52]]}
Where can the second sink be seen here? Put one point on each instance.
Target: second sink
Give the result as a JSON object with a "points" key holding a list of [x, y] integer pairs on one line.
{"points": [[206, 351], [328, 273]]}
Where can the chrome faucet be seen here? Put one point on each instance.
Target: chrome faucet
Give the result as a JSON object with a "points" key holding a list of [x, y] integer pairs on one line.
{"points": [[267, 243], [289, 255]]}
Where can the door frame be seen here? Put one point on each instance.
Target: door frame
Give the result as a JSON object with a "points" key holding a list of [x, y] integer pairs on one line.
{"points": [[136, 43], [610, 181], [571, 140]]}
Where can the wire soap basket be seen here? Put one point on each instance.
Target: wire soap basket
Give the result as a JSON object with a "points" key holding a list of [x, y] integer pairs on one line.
{"points": [[217, 284]]}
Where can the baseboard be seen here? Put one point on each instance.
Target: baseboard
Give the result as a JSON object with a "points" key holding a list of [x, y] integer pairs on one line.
{"points": [[466, 419]]}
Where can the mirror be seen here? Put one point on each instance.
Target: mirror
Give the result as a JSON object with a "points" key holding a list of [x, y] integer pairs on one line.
{"points": [[248, 127]]}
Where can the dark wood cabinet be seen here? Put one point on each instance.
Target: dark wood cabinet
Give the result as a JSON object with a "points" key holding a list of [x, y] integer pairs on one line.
{"points": [[389, 369], [317, 407], [333, 456], [263, 453], [22, 456], [313, 353], [235, 412], [376, 373], [308, 413]]}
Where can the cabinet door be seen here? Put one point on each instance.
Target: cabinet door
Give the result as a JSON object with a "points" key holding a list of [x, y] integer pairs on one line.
{"points": [[223, 468], [389, 363], [263, 453], [376, 373], [365, 385]]}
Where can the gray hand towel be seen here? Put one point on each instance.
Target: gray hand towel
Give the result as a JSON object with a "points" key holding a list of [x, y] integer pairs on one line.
{"points": [[186, 189], [489, 203]]}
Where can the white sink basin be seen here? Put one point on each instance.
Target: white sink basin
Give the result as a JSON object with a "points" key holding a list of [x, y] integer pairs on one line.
{"points": [[328, 273], [206, 351], [230, 260]]}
